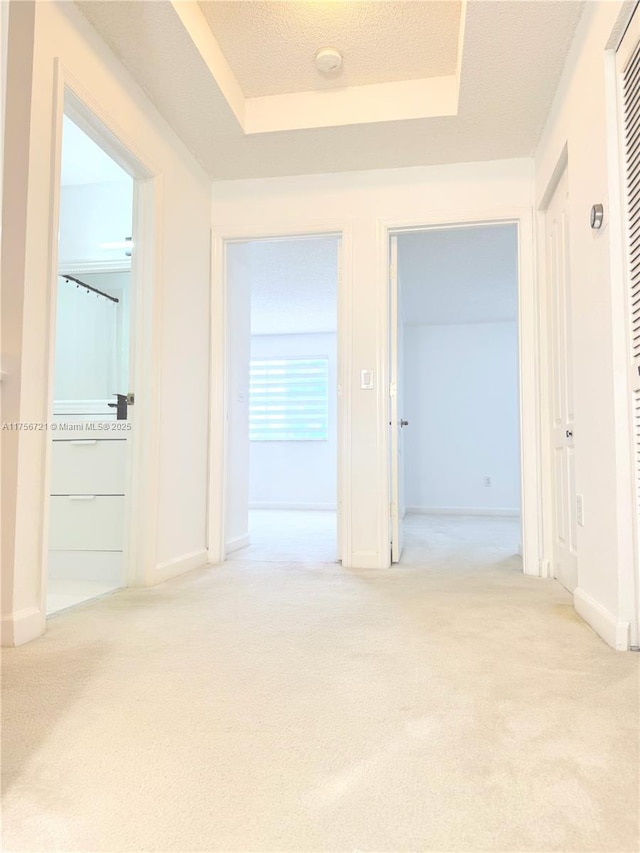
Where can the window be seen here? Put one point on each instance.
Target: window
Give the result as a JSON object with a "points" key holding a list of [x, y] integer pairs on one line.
{"points": [[288, 399]]}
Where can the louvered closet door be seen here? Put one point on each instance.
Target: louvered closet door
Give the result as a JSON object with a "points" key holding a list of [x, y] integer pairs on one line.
{"points": [[628, 63]]}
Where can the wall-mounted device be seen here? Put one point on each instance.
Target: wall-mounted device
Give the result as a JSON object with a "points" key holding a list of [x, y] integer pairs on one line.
{"points": [[366, 380], [597, 216]]}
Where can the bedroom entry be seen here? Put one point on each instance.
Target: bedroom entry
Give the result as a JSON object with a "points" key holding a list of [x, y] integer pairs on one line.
{"points": [[91, 417], [455, 466], [282, 408]]}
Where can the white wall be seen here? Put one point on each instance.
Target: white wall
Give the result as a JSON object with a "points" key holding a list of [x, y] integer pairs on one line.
{"points": [[92, 333], [92, 339], [92, 214], [582, 123], [42, 35], [461, 401], [86, 338], [359, 203], [296, 474]]}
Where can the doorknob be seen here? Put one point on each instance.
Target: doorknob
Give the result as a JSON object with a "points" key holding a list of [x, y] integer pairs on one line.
{"points": [[404, 423], [120, 407], [569, 433]]}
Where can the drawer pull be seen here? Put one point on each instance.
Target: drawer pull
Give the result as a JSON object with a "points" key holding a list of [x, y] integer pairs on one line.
{"points": [[84, 441], [81, 497]]}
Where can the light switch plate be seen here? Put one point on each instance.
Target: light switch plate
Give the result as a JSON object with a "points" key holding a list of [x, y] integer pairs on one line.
{"points": [[366, 380]]}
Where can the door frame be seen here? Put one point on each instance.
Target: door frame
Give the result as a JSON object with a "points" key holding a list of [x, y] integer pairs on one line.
{"points": [[71, 98], [221, 237], [532, 490]]}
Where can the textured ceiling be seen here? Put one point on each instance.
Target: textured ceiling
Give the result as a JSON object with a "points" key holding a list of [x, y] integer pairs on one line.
{"points": [[459, 275], [271, 46], [84, 162], [293, 284], [513, 55]]}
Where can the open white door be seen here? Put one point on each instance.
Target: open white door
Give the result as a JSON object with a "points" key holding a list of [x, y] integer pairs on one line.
{"points": [[395, 405], [565, 509], [93, 329]]}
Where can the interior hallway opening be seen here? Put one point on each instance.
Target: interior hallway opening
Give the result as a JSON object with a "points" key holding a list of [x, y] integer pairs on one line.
{"points": [[457, 467], [282, 400]]}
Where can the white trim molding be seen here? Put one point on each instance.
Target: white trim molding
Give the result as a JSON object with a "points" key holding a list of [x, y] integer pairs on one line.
{"points": [[22, 626], [178, 566], [218, 469], [604, 623], [237, 543], [366, 560], [532, 502]]}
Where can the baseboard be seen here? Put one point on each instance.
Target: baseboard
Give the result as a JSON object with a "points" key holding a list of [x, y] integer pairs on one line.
{"points": [[455, 510], [604, 623], [545, 568], [180, 565], [237, 543], [22, 627], [308, 507], [364, 560]]}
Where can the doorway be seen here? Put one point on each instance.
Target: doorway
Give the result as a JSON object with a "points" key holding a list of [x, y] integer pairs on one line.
{"points": [[91, 418], [282, 402], [454, 402]]}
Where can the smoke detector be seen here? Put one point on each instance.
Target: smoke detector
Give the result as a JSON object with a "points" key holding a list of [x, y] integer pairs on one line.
{"points": [[328, 60]]}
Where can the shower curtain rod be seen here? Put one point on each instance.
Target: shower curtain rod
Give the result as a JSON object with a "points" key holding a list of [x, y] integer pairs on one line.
{"points": [[88, 286]]}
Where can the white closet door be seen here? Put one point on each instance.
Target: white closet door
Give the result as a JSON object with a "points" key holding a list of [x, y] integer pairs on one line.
{"points": [[628, 66], [565, 529]]}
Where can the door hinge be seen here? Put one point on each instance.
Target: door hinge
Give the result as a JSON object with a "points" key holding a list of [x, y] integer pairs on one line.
{"points": [[393, 389]]}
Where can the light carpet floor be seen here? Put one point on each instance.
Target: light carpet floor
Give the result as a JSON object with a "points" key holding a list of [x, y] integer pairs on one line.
{"points": [[446, 705], [286, 535]]}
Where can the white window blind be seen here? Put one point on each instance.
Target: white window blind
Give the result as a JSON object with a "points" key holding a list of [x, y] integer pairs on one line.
{"points": [[288, 399]]}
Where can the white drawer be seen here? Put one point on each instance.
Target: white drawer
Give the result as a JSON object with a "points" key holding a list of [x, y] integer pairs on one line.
{"points": [[88, 466], [86, 523], [104, 567]]}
